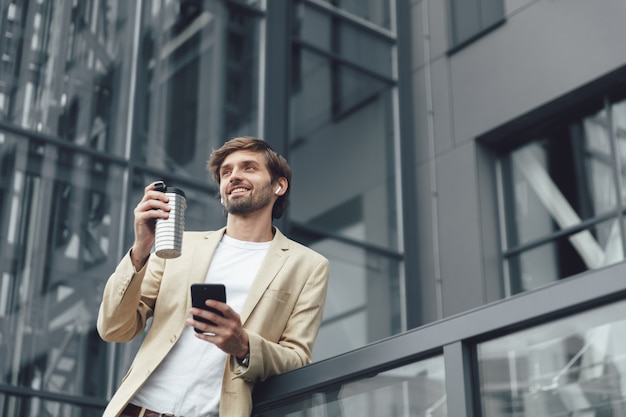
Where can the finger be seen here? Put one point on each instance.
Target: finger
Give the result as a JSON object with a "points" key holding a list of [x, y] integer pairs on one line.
{"points": [[216, 319], [153, 208], [156, 195], [153, 192], [223, 308], [156, 185], [155, 198], [201, 326], [206, 337]]}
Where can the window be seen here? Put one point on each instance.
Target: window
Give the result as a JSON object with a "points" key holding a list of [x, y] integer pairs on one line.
{"points": [[563, 195], [342, 147], [470, 18]]}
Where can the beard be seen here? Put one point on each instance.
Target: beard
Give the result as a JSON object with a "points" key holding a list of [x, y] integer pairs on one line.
{"points": [[250, 203]]}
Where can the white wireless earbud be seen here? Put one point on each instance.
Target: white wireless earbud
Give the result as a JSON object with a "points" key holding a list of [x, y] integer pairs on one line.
{"points": [[278, 190]]}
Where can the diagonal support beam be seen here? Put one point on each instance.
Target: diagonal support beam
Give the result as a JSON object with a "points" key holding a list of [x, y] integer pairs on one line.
{"points": [[555, 203]]}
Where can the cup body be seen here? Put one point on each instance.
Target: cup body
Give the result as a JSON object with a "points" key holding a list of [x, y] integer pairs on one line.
{"points": [[169, 232]]}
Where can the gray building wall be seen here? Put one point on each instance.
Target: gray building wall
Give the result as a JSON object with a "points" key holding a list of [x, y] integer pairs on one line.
{"points": [[542, 51]]}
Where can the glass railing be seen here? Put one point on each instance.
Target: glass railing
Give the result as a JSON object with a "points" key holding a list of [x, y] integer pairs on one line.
{"points": [[558, 351]]}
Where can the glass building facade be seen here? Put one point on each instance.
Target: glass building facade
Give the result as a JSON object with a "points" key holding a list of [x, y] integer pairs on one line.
{"points": [[462, 169], [99, 98]]}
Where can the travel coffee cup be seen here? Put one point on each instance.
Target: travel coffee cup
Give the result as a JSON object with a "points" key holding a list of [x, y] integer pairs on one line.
{"points": [[169, 232]]}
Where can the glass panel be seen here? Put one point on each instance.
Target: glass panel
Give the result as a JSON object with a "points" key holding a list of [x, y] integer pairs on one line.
{"points": [[599, 246], [254, 3], [346, 40], [570, 367], [557, 182], [363, 300], [465, 18], [199, 72], [491, 11], [618, 115], [375, 11], [470, 17], [342, 152], [27, 407], [66, 67], [312, 26], [362, 48], [61, 223], [413, 390], [599, 162]]}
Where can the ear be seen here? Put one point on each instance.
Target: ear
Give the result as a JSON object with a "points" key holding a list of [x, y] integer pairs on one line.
{"points": [[280, 186]]}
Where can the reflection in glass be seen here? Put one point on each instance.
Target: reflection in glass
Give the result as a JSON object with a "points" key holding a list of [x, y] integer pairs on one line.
{"points": [[558, 185], [559, 182], [26, 407], [564, 256], [61, 219], [618, 116], [375, 11], [570, 367], [66, 67], [363, 299], [342, 150], [346, 157], [199, 69], [345, 39], [413, 390]]}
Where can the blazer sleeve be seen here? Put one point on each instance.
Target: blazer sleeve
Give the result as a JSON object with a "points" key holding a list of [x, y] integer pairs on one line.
{"points": [[128, 299], [294, 348]]}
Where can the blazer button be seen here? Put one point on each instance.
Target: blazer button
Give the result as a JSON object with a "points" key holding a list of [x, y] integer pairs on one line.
{"points": [[173, 339]]}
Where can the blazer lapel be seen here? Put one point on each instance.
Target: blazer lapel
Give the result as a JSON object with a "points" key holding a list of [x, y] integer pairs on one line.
{"points": [[277, 255]]}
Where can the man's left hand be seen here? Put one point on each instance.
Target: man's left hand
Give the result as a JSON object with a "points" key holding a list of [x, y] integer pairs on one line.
{"points": [[228, 333]]}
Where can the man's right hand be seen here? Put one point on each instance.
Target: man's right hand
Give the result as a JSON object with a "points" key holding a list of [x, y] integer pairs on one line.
{"points": [[152, 206]]}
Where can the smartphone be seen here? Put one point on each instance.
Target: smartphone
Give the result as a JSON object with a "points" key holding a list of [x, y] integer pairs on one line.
{"points": [[202, 292]]}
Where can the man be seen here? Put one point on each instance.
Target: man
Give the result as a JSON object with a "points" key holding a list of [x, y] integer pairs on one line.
{"points": [[276, 290]]}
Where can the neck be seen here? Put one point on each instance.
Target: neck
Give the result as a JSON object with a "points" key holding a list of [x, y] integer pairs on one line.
{"points": [[250, 228]]}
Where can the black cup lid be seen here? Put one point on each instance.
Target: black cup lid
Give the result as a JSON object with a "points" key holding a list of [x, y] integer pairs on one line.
{"points": [[175, 191], [160, 186]]}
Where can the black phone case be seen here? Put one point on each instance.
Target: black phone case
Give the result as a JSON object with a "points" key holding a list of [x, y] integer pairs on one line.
{"points": [[202, 292]]}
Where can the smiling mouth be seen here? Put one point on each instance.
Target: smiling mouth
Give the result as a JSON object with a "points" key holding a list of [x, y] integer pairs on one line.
{"points": [[238, 190]]}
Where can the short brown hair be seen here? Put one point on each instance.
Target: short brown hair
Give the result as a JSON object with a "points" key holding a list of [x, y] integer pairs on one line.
{"points": [[276, 164]]}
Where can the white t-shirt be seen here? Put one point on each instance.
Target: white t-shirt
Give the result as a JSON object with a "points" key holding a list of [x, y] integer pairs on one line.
{"points": [[189, 380]]}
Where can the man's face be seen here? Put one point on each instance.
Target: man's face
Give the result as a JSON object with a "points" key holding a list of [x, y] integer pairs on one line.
{"points": [[245, 183]]}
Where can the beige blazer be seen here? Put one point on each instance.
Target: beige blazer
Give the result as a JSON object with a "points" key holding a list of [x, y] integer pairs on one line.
{"points": [[282, 314]]}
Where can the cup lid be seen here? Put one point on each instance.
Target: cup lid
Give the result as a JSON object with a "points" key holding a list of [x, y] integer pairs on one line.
{"points": [[175, 191]]}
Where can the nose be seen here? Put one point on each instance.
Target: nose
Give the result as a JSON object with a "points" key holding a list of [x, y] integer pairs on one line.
{"points": [[236, 175]]}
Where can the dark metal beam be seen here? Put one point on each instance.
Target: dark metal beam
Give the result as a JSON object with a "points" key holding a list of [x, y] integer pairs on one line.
{"points": [[413, 287]]}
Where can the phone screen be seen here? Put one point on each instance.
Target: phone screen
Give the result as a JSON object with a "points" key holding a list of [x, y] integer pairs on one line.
{"points": [[202, 292]]}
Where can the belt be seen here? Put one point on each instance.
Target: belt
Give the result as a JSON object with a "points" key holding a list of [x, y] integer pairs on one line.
{"points": [[133, 410]]}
